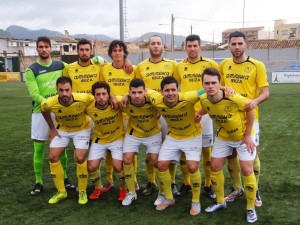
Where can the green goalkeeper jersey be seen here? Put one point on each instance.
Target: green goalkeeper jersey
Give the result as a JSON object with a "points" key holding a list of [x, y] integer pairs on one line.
{"points": [[41, 81]]}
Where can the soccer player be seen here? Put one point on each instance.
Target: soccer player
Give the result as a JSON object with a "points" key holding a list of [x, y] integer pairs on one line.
{"points": [[108, 135], [235, 130], [152, 71], [40, 80], [118, 80], [185, 136], [143, 129], [249, 78], [189, 78], [72, 123]]}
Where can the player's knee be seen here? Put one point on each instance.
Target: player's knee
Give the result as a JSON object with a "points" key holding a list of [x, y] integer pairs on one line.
{"points": [[162, 166], [193, 168]]}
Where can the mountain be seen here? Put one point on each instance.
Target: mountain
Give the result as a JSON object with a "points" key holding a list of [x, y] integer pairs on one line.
{"points": [[24, 33], [4, 34]]}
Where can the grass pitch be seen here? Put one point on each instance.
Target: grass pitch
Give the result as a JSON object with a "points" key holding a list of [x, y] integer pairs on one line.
{"points": [[279, 180]]}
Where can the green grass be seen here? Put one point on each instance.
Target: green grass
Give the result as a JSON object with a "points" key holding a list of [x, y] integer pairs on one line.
{"points": [[279, 181]]}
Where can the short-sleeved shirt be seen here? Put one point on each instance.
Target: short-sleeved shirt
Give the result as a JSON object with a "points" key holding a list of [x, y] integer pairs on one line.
{"points": [[189, 74], [229, 115], [181, 117], [69, 118], [108, 124], [245, 78], [83, 77], [153, 73], [143, 121]]}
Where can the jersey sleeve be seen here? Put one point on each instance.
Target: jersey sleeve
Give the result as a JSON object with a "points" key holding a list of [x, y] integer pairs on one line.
{"points": [[66, 70], [152, 95], [45, 107], [262, 77], [137, 72], [32, 87], [99, 60]]}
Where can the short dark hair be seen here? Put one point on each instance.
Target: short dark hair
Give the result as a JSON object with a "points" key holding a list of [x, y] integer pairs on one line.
{"points": [[168, 80], [155, 35], [84, 41], [236, 34], [116, 43], [100, 84], [211, 72], [63, 80], [136, 82], [193, 37], [43, 39]]}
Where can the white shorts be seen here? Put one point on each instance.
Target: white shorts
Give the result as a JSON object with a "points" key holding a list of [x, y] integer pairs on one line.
{"points": [[98, 151], [39, 126], [223, 148], [172, 148], [80, 139], [153, 143], [256, 127], [207, 131]]}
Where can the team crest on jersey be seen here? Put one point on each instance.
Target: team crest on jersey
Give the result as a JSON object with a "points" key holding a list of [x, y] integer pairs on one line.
{"points": [[167, 66], [247, 69], [185, 69], [183, 108], [79, 107], [227, 108]]}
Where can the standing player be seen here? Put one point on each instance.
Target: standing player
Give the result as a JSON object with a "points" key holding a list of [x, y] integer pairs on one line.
{"points": [[189, 78], [143, 129], [235, 130], [152, 71], [108, 135], [184, 137], [249, 78], [118, 80], [72, 123], [40, 80]]}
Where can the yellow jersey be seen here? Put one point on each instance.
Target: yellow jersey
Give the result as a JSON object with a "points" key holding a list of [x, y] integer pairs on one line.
{"points": [[108, 124], [69, 118], [229, 115], [181, 117]]}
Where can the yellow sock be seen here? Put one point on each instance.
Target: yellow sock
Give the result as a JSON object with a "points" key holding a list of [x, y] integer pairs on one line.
{"points": [[121, 180], [96, 179], [57, 173], [235, 172], [82, 176], [109, 167], [206, 159], [217, 180], [256, 167], [160, 189], [172, 169], [150, 169], [165, 181], [196, 186], [129, 174], [135, 167], [250, 190], [184, 170]]}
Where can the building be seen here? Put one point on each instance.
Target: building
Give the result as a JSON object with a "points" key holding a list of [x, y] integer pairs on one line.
{"points": [[284, 31], [252, 33]]}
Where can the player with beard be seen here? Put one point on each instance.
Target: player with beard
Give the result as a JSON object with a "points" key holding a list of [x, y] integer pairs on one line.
{"points": [[247, 77], [152, 71], [40, 80], [72, 123]]}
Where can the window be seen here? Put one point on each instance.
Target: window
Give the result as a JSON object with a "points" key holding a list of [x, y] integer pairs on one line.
{"points": [[66, 48]]}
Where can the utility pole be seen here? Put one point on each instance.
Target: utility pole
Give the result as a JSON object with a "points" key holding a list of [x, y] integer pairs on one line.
{"points": [[244, 14], [191, 29], [121, 20], [172, 33]]}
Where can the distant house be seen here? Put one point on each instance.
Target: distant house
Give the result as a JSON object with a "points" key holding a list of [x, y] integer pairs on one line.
{"points": [[252, 33], [285, 31]]}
